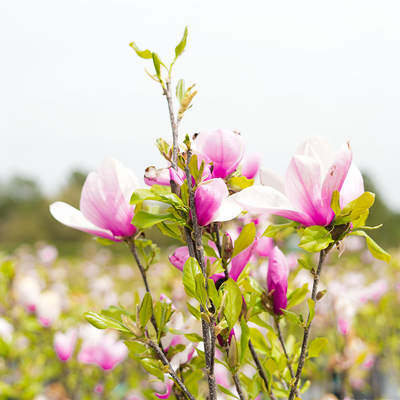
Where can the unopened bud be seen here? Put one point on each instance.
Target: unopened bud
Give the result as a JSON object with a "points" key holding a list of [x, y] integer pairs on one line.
{"points": [[151, 331], [233, 354], [205, 317], [217, 330], [131, 326], [138, 323], [321, 294], [227, 247]]}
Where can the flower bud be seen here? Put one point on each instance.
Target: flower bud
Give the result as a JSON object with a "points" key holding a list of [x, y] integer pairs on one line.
{"points": [[321, 294], [227, 246], [233, 354], [205, 318], [131, 326]]}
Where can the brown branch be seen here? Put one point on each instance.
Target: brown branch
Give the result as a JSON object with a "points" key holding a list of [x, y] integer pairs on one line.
{"points": [[174, 125], [260, 369], [238, 386], [307, 329], [171, 371]]}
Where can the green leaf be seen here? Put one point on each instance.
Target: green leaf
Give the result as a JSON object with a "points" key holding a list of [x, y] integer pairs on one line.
{"points": [[304, 264], [316, 346], [244, 340], [373, 247], [103, 322], [233, 302], [254, 388], [227, 392], [272, 230], [297, 296], [146, 309], [194, 376], [291, 316], [241, 182], [258, 321], [170, 230], [146, 54], [157, 64], [311, 307], [140, 195], [194, 311], [136, 350], [315, 238], [182, 44], [270, 366], [180, 90], [335, 203], [356, 208], [104, 241], [116, 312], [194, 337], [259, 342], [152, 368], [190, 270], [201, 294], [213, 293], [361, 221], [209, 251], [305, 387], [245, 239], [143, 219]]}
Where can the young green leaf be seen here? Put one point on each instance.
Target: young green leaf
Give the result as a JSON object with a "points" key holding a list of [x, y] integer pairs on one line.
{"points": [[316, 346], [305, 387], [157, 65], [170, 230], [194, 337], [298, 296], [103, 322], [244, 340], [233, 302], [213, 293], [304, 264], [241, 182], [315, 238], [311, 307], [245, 239], [190, 270], [146, 309], [104, 241], [335, 203], [227, 392], [291, 316], [356, 208], [143, 219], [180, 90], [146, 54], [272, 230], [201, 294], [182, 44], [194, 311], [152, 368], [373, 247]]}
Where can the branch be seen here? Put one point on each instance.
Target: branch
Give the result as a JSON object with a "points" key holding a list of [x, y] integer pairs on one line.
{"points": [[171, 371], [260, 369], [289, 364], [238, 386], [307, 329], [174, 125]]}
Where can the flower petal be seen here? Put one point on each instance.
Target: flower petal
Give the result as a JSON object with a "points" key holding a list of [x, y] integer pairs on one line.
{"points": [[153, 176], [278, 270], [228, 210], [168, 386], [336, 176], [319, 148], [303, 188], [239, 262], [180, 256], [353, 186], [265, 199], [208, 199], [280, 299], [268, 177], [251, 165], [73, 218]]}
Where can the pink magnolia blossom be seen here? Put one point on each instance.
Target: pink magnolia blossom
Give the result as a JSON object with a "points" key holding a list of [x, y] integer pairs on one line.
{"points": [[105, 209], [251, 164], [225, 149], [64, 343], [168, 388], [305, 194], [277, 279], [102, 349], [48, 307]]}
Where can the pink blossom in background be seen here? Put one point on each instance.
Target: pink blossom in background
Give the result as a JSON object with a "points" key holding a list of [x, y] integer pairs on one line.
{"points": [[343, 325], [47, 254], [154, 176], [368, 362], [277, 279], [27, 291], [225, 149], [64, 343], [105, 209], [168, 388], [99, 388], [304, 195], [6, 330], [48, 307], [251, 164], [102, 349]]}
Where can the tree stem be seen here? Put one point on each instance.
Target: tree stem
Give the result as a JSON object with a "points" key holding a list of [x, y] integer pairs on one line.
{"points": [[260, 369], [174, 125], [171, 371], [322, 256], [238, 386]]}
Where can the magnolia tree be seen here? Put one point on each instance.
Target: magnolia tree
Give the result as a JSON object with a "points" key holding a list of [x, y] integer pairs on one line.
{"points": [[222, 221]]}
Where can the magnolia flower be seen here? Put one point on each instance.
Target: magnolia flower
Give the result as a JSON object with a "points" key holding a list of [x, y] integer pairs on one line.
{"points": [[102, 349], [105, 209], [277, 279], [237, 264], [225, 149], [27, 291], [64, 343], [305, 194], [48, 307]]}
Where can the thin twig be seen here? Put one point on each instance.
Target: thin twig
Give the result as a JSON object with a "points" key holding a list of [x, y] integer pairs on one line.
{"points": [[289, 364], [174, 125], [307, 330], [260, 369], [171, 371], [238, 386], [217, 237]]}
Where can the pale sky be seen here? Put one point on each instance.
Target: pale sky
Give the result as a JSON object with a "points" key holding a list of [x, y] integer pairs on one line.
{"points": [[73, 92]]}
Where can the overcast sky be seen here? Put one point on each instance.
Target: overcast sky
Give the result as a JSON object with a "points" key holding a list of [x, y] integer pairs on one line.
{"points": [[73, 92]]}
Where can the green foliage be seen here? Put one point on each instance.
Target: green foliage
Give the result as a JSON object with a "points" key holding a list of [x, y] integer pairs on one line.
{"points": [[316, 346], [233, 302], [373, 247], [272, 230], [190, 270], [315, 238], [146, 309], [245, 239], [100, 321], [355, 208]]}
